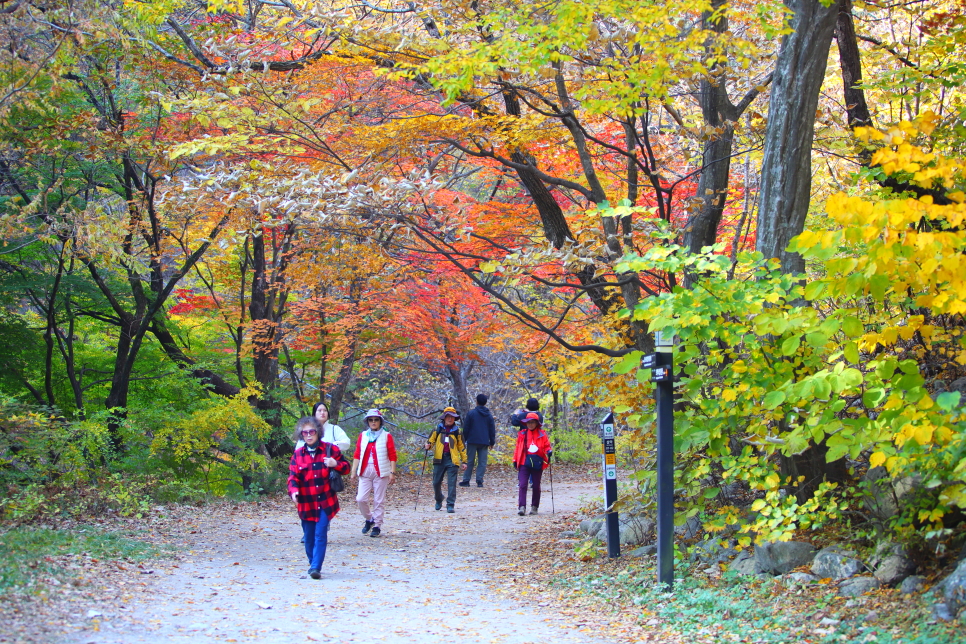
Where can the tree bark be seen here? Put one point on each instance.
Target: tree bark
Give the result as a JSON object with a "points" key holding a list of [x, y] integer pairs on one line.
{"points": [[855, 105], [717, 110], [786, 172]]}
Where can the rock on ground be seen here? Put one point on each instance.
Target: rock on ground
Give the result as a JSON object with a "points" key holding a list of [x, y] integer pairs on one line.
{"points": [[744, 564], [893, 569], [912, 584], [835, 563], [779, 557], [855, 586], [954, 588]]}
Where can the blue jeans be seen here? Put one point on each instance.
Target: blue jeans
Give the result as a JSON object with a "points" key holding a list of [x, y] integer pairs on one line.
{"points": [[316, 539]]}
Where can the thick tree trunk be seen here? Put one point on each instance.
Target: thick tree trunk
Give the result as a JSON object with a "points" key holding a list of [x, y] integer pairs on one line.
{"points": [[457, 376], [264, 327], [786, 172]]}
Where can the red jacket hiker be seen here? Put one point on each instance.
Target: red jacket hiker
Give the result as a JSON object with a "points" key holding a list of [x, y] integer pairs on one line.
{"points": [[309, 477], [527, 437]]}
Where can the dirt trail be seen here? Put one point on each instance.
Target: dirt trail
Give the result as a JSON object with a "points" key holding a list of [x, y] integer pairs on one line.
{"points": [[427, 579]]}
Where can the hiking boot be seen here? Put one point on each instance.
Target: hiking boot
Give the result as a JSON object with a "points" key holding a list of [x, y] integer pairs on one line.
{"points": [[375, 532], [522, 510], [439, 505], [464, 483], [367, 527], [315, 574], [451, 510], [479, 484], [533, 509]]}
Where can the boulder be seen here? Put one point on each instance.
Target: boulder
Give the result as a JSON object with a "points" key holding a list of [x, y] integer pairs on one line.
{"points": [[886, 495], [690, 529], [591, 527], [643, 551], [954, 589], [800, 578], [855, 586], [779, 557], [893, 569], [634, 530], [836, 563], [941, 613], [711, 551], [912, 584], [959, 385], [744, 564]]}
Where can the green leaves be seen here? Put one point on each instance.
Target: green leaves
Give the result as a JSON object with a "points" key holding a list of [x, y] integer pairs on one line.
{"points": [[791, 345], [773, 399]]}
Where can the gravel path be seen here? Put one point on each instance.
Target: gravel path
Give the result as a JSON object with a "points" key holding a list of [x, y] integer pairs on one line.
{"points": [[427, 579]]}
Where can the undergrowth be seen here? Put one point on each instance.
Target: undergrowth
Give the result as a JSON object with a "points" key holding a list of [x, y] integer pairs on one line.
{"points": [[729, 610], [30, 554]]}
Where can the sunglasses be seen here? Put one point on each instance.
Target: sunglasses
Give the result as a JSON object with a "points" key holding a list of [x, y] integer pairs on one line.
{"points": [[309, 432]]}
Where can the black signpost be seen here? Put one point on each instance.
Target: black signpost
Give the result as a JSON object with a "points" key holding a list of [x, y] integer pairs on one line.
{"points": [[661, 365], [609, 462]]}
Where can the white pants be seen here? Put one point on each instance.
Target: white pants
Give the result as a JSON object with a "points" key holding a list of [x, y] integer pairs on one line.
{"points": [[370, 481]]}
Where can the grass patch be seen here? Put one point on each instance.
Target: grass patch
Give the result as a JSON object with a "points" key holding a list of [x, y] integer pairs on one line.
{"points": [[729, 610], [28, 554]]}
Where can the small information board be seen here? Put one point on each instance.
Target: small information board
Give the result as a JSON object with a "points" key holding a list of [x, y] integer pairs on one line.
{"points": [[608, 461], [610, 452]]}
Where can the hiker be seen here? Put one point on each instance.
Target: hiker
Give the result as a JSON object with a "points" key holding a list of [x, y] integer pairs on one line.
{"points": [[531, 456], [479, 435], [516, 418], [330, 433], [308, 485], [374, 465], [449, 454]]}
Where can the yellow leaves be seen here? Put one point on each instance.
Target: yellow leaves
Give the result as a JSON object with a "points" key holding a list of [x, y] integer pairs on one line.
{"points": [[877, 459], [931, 516], [728, 395], [772, 481], [954, 495], [923, 433]]}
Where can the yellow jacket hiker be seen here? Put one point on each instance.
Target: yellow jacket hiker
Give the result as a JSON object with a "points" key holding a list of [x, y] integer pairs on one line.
{"points": [[449, 454]]}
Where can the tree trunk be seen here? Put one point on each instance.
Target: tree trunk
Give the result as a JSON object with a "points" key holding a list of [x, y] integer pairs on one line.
{"points": [[855, 105], [264, 327], [345, 375], [716, 108], [786, 171], [457, 376]]}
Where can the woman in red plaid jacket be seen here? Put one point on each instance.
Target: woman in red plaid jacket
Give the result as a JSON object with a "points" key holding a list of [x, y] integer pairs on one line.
{"points": [[308, 485]]}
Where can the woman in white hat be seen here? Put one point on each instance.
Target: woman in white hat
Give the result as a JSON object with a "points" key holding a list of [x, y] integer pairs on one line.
{"points": [[374, 465]]}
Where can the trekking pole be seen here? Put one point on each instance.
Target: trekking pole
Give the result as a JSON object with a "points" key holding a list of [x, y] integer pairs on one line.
{"points": [[419, 486], [552, 509]]}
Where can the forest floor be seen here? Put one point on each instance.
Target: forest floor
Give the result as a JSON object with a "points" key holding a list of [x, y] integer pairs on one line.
{"points": [[236, 572]]}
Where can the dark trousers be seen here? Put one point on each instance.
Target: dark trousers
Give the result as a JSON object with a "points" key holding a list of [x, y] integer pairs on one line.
{"points": [[316, 535], [524, 476], [476, 454], [448, 469]]}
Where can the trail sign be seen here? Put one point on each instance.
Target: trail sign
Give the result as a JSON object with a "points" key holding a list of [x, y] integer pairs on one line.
{"points": [[609, 466]]}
